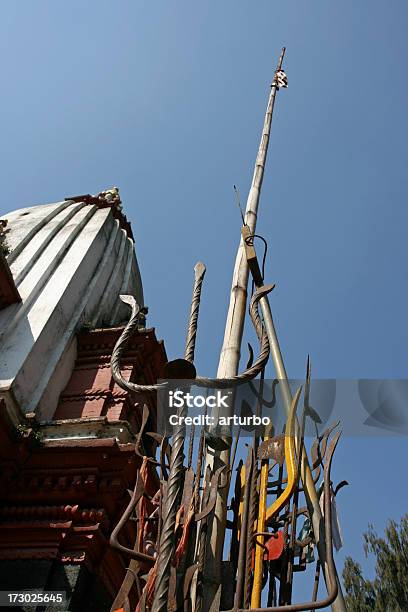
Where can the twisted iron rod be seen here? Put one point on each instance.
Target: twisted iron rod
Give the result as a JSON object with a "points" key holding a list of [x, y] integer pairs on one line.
{"points": [[219, 383], [170, 507]]}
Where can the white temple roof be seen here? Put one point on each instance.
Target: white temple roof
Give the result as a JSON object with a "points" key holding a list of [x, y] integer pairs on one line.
{"points": [[70, 262]]}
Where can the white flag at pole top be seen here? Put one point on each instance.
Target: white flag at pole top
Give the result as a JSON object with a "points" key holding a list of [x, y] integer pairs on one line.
{"points": [[281, 80]]}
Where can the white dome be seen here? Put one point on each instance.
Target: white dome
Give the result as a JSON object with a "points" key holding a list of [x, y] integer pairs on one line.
{"points": [[70, 262]]}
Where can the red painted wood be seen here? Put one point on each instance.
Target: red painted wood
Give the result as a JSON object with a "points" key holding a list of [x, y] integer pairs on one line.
{"points": [[61, 499]]}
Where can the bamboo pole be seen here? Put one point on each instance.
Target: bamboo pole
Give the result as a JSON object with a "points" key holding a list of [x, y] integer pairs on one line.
{"points": [[229, 360]]}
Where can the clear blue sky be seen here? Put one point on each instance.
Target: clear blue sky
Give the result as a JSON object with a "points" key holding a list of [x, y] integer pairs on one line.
{"points": [[166, 100]]}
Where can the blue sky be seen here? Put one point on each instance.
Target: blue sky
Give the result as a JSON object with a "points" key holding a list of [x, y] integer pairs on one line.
{"points": [[166, 100]]}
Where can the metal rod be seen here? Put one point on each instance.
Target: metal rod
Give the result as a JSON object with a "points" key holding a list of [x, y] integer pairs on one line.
{"points": [[170, 506], [295, 504], [199, 272], [244, 532], [305, 472], [316, 581], [250, 540], [230, 355], [332, 576], [312, 500], [260, 520], [260, 526]]}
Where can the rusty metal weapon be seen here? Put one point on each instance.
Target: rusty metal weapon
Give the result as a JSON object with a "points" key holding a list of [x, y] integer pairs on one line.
{"points": [[332, 586], [167, 536]]}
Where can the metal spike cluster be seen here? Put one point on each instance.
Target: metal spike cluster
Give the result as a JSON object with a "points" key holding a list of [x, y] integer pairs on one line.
{"points": [[264, 550], [176, 507]]}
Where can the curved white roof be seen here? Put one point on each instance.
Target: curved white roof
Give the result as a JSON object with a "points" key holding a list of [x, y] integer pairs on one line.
{"points": [[70, 262]]}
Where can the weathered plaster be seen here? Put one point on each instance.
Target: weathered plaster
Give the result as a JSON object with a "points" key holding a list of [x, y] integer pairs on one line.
{"points": [[70, 261]]}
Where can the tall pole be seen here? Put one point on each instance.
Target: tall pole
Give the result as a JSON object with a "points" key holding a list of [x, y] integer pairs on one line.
{"points": [[229, 359]]}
